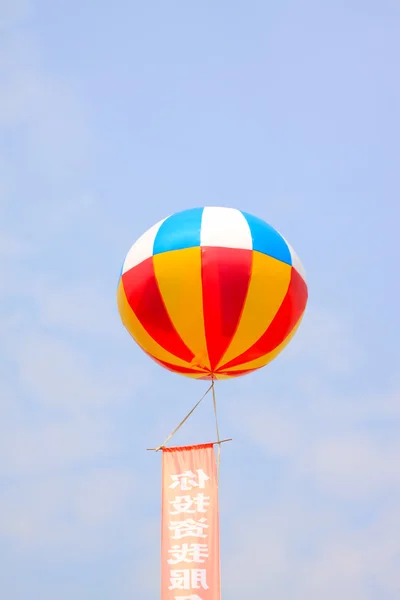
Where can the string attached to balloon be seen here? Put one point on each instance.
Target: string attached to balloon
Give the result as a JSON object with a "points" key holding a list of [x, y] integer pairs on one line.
{"points": [[218, 442], [217, 428]]}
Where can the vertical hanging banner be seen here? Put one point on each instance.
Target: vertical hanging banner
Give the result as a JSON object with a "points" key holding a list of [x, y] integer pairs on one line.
{"points": [[190, 559]]}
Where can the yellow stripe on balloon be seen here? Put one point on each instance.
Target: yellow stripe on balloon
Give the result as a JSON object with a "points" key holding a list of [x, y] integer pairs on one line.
{"points": [[178, 275], [269, 283], [140, 335], [264, 360]]}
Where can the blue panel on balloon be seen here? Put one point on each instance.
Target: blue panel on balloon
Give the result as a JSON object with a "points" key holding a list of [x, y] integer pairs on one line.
{"points": [[179, 231], [267, 240]]}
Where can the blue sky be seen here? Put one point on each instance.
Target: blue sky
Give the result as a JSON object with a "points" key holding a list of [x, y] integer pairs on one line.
{"points": [[112, 117]]}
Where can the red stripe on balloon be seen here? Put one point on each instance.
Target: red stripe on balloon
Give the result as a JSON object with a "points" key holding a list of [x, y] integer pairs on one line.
{"points": [[289, 313], [176, 368], [225, 275], [144, 298]]}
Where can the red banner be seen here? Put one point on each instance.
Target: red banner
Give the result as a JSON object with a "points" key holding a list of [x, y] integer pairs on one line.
{"points": [[190, 561]]}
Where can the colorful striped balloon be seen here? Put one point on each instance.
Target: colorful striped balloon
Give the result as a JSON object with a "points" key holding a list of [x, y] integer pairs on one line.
{"points": [[212, 293]]}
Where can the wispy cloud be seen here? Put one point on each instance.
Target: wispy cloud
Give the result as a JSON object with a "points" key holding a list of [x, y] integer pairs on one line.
{"points": [[69, 514], [41, 110], [12, 11], [295, 549], [62, 492]]}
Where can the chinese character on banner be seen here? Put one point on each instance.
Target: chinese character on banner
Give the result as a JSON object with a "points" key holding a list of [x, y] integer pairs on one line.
{"points": [[188, 528], [190, 524], [190, 504], [188, 480], [188, 553], [188, 579]]}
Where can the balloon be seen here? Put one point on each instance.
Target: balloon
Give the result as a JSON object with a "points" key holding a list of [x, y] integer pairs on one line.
{"points": [[212, 293]]}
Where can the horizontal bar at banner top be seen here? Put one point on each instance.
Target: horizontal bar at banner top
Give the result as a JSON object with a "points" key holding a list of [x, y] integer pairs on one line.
{"points": [[176, 448]]}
